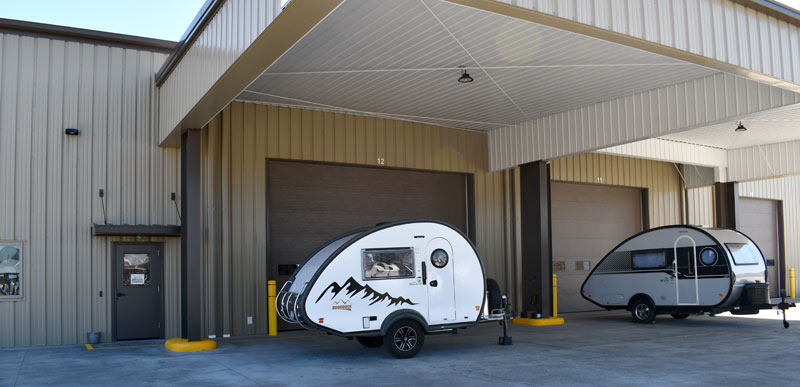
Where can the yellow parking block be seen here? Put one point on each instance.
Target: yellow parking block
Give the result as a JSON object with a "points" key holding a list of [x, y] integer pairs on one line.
{"points": [[183, 345], [538, 321]]}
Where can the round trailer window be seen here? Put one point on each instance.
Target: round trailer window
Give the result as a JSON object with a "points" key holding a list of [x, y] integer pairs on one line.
{"points": [[439, 258], [708, 256]]}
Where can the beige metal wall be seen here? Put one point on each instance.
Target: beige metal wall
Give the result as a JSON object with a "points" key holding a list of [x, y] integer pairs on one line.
{"points": [[236, 145], [723, 30], [661, 180], [222, 41], [787, 190], [48, 199], [700, 206]]}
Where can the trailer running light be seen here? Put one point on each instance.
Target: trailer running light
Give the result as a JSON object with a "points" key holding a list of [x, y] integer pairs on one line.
{"points": [[321, 320]]}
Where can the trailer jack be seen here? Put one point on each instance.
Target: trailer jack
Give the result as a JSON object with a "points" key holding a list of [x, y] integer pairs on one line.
{"points": [[783, 306], [505, 339]]}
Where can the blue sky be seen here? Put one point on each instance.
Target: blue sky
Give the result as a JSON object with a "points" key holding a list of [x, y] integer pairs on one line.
{"points": [[161, 19]]}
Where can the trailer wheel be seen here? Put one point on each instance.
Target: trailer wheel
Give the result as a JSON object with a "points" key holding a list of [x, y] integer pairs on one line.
{"points": [[643, 311], [495, 296], [370, 341], [679, 316], [404, 339]]}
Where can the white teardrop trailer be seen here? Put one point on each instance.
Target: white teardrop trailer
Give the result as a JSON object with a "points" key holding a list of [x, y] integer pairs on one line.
{"points": [[682, 270], [391, 284]]}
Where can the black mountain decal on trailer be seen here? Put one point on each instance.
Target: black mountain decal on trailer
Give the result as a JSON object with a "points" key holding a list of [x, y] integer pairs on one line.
{"points": [[352, 287]]}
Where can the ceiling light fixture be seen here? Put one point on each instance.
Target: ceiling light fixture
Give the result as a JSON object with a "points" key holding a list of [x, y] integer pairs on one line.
{"points": [[740, 127], [465, 78]]}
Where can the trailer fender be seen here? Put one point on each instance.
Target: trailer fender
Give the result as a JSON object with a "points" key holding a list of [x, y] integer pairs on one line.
{"points": [[402, 315], [638, 296]]}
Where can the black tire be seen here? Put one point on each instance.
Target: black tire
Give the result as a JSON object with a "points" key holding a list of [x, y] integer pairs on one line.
{"points": [[495, 296], [679, 316], [643, 311], [404, 339], [370, 341]]}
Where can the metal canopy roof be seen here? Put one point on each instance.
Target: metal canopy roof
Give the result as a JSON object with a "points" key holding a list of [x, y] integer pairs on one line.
{"points": [[773, 126], [400, 60]]}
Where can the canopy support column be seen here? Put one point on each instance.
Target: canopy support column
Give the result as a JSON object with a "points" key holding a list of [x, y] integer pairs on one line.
{"points": [[536, 239]]}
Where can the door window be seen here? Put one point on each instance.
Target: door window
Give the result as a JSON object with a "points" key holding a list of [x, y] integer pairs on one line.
{"points": [[136, 270], [10, 270], [439, 258]]}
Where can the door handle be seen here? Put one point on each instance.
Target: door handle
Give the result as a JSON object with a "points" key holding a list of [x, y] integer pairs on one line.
{"points": [[119, 294], [424, 274], [434, 283]]}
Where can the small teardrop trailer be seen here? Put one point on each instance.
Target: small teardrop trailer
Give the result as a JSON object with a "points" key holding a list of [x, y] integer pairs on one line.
{"points": [[682, 270], [390, 285]]}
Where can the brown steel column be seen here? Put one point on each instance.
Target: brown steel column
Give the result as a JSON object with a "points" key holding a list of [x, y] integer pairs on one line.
{"points": [[726, 204], [536, 239], [191, 236]]}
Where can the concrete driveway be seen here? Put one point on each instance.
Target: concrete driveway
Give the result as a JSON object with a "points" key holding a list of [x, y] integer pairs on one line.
{"points": [[590, 349]]}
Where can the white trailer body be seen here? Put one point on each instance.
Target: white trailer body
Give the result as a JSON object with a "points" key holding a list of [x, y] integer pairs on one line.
{"points": [[681, 270], [360, 283]]}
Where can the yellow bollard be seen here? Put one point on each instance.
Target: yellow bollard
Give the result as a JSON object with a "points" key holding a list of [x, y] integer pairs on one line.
{"points": [[272, 315], [555, 296], [791, 283]]}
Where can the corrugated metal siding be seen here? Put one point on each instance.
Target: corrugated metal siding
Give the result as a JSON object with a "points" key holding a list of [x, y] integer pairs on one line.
{"points": [[786, 189], [49, 196], [764, 161], [720, 29], [224, 38], [700, 206], [699, 176], [636, 117], [671, 151], [661, 179], [236, 145]]}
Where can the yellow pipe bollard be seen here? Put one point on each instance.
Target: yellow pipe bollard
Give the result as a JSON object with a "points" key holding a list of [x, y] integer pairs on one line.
{"points": [[272, 315], [791, 283], [555, 296]]}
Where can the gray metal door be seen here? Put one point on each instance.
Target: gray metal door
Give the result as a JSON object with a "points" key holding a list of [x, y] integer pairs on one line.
{"points": [[587, 221], [759, 221], [310, 203], [138, 311]]}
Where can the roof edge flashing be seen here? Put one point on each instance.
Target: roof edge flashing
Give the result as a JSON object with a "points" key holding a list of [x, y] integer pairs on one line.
{"points": [[85, 35]]}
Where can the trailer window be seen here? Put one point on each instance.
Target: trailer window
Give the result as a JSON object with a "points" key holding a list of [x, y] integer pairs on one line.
{"points": [[388, 263], [744, 253], [648, 259]]}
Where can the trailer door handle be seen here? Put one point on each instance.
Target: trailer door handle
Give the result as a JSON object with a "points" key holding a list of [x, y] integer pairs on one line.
{"points": [[424, 274], [120, 294], [434, 283]]}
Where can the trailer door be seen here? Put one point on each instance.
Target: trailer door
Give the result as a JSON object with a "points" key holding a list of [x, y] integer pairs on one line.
{"points": [[438, 261]]}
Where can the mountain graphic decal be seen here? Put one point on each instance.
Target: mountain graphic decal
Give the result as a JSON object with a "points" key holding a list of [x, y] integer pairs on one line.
{"points": [[352, 287]]}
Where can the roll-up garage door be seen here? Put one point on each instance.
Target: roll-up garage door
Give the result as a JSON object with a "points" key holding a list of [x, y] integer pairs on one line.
{"points": [[758, 219], [310, 203], [587, 222]]}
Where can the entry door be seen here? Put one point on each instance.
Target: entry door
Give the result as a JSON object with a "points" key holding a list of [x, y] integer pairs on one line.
{"points": [[685, 271], [137, 291], [441, 282]]}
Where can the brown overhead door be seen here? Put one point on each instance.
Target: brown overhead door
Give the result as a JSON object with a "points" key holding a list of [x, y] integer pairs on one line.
{"points": [[310, 203], [588, 221], [758, 219]]}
